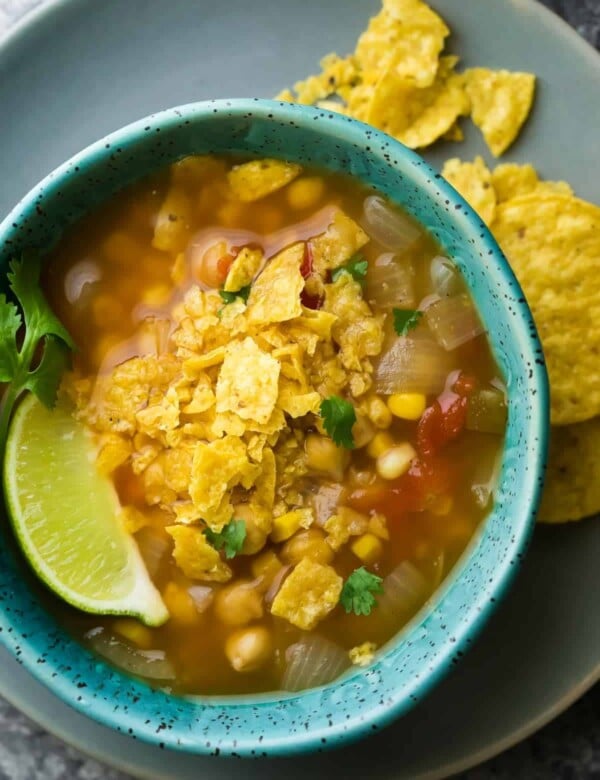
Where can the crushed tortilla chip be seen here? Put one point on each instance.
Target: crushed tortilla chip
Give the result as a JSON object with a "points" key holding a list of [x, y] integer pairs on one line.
{"points": [[275, 295], [243, 269], [363, 655], [572, 489], [473, 181], [132, 519], [115, 451], [195, 556], [248, 382], [308, 594], [258, 178], [336, 73], [500, 103], [343, 238], [552, 241], [511, 180], [410, 34]]}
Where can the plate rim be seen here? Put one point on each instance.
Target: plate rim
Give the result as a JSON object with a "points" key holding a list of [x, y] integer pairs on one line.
{"points": [[11, 37]]}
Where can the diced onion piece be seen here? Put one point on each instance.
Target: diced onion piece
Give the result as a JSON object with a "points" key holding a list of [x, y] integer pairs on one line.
{"points": [[486, 478], [412, 365], [153, 546], [313, 661], [404, 590], [202, 596], [151, 664], [453, 321], [325, 500], [390, 282], [391, 228], [486, 411], [445, 276]]}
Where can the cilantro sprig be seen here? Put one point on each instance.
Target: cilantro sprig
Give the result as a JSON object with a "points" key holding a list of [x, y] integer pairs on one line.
{"points": [[230, 297], [338, 418], [357, 267], [406, 320], [230, 539], [358, 593], [38, 363]]}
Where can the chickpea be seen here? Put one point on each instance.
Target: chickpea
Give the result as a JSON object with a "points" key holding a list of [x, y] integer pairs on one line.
{"points": [[249, 648], [256, 537], [362, 431], [306, 192], [379, 414], [322, 455], [238, 603], [307, 544]]}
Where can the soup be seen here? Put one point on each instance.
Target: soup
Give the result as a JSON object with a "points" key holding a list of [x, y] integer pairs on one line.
{"points": [[295, 399]]}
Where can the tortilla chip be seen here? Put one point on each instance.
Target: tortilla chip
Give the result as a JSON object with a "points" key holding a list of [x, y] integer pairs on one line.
{"points": [[343, 238], [500, 103], [195, 556], [511, 180], [275, 295], [248, 382], [407, 33], [243, 269], [572, 489], [308, 594], [336, 73], [473, 181], [418, 117], [256, 179], [454, 134], [553, 244]]}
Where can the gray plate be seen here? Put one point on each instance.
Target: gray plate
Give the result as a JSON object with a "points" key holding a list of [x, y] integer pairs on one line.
{"points": [[81, 68]]}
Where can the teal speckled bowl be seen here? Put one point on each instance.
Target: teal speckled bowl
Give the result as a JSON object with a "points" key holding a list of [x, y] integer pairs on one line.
{"points": [[363, 700]]}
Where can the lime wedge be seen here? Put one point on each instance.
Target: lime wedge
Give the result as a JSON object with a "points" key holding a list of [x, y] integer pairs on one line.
{"points": [[65, 516]]}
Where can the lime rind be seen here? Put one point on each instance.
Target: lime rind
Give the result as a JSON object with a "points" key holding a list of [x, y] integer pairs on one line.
{"points": [[65, 516]]}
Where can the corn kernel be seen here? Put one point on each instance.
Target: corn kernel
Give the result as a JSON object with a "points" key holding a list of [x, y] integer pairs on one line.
{"points": [[180, 604], [286, 525], [134, 632], [396, 461], [323, 455], [306, 192], [407, 406], [379, 444], [379, 414], [367, 547]]}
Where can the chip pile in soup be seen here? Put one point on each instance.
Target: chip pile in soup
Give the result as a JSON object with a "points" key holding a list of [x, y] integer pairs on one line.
{"points": [[294, 396]]}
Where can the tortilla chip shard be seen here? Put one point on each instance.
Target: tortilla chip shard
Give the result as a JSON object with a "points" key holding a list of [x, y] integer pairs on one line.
{"points": [[552, 242], [248, 382], [243, 269], [511, 180], [196, 558], [473, 181], [308, 594], [572, 489], [258, 178], [275, 295], [500, 103]]}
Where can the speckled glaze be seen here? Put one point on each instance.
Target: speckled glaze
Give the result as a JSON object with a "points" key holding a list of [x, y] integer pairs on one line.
{"points": [[364, 700]]}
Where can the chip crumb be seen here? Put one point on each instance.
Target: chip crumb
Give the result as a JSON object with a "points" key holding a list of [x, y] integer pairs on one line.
{"points": [[363, 655], [258, 178]]}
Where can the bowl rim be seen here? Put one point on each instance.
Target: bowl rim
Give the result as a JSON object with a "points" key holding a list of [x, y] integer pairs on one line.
{"points": [[328, 731]]}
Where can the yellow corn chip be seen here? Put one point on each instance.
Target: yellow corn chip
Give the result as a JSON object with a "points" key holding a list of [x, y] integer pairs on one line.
{"points": [[500, 103], [275, 295], [195, 556], [474, 182], [243, 269], [254, 180], [340, 241], [552, 241], [454, 134], [308, 595], [511, 179], [336, 73], [248, 382], [572, 489], [407, 33]]}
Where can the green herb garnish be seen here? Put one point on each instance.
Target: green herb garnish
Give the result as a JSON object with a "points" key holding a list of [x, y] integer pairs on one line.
{"points": [[230, 539], [38, 364], [357, 593], [357, 268], [229, 297], [338, 418], [406, 320]]}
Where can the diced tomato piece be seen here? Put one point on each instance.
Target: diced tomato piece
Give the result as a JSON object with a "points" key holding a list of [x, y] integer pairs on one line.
{"points": [[223, 265], [441, 422], [306, 268], [465, 384], [310, 301]]}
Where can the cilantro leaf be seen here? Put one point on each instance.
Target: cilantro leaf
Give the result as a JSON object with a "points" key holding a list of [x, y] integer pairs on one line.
{"points": [[42, 331], [405, 320], [338, 418], [357, 593], [10, 322], [230, 539], [229, 297], [357, 268]]}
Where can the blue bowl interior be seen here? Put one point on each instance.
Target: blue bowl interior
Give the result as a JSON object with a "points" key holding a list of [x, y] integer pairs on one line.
{"points": [[364, 699]]}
